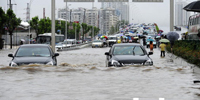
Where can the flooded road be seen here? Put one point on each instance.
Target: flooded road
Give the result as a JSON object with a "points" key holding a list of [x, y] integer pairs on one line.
{"points": [[82, 75]]}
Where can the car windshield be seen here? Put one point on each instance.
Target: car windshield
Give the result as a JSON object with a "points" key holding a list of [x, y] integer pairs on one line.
{"points": [[97, 41], [128, 50], [60, 43], [112, 38], [33, 52]]}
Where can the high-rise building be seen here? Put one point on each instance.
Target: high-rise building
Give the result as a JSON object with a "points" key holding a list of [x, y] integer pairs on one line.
{"points": [[91, 17], [181, 16], [62, 14], [121, 8], [108, 18], [77, 15]]}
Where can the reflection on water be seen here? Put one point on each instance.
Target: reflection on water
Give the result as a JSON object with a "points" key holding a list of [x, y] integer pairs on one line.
{"points": [[82, 75]]}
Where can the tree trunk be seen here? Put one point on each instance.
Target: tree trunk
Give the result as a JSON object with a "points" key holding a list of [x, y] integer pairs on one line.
{"points": [[10, 40], [1, 43]]}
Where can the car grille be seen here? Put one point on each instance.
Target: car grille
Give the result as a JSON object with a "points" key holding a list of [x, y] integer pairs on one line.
{"points": [[19, 64], [128, 62]]}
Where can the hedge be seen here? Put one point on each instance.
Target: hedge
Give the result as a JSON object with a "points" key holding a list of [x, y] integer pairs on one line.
{"points": [[188, 50]]}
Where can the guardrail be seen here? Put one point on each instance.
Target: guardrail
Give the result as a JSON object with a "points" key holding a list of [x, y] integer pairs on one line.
{"points": [[77, 46]]}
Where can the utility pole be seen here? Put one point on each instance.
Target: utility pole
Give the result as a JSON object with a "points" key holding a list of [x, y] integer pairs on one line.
{"points": [[10, 4], [10, 34], [92, 21]]}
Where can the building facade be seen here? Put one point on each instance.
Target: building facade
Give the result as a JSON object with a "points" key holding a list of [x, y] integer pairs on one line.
{"points": [[92, 17], [121, 8], [108, 18], [181, 16]]}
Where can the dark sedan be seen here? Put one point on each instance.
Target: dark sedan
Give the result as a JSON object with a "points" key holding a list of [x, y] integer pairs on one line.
{"points": [[128, 54], [33, 54]]}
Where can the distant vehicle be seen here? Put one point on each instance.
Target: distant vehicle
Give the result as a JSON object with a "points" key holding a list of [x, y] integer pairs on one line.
{"points": [[59, 45], [127, 54], [69, 42], [46, 38], [177, 28], [33, 54], [112, 40], [78, 41], [194, 27], [97, 43]]}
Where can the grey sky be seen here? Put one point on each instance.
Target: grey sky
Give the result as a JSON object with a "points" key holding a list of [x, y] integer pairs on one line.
{"points": [[139, 12]]}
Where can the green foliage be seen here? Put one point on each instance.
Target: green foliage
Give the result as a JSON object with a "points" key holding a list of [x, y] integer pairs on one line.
{"points": [[44, 25], [2, 21], [112, 30], [86, 28], [96, 30], [11, 23], [35, 24], [187, 49]]}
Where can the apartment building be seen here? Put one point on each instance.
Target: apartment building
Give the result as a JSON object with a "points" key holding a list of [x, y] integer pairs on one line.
{"points": [[91, 17], [108, 18], [181, 16]]}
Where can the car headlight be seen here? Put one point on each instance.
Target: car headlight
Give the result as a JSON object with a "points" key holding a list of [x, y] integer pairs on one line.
{"points": [[115, 63], [13, 64], [50, 63], [148, 62]]}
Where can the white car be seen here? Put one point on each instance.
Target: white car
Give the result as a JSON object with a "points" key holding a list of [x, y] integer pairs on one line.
{"points": [[97, 43], [59, 45]]}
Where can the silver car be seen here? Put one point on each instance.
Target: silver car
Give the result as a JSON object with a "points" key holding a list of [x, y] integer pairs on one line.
{"points": [[97, 43], [59, 45]]}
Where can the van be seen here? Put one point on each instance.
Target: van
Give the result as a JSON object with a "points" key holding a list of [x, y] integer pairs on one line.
{"points": [[69, 42]]}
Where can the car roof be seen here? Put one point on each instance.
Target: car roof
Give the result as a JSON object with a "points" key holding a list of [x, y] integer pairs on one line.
{"points": [[127, 44], [34, 45]]}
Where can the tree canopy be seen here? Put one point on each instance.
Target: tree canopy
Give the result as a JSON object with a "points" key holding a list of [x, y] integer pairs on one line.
{"points": [[11, 23]]}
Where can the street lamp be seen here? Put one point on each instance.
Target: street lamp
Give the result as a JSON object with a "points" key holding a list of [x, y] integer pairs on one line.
{"points": [[29, 21], [66, 21]]}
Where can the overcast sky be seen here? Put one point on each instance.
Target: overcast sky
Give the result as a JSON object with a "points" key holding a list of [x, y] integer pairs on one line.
{"points": [[139, 12]]}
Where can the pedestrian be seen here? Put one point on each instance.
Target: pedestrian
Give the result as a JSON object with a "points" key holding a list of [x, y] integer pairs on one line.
{"points": [[151, 46], [21, 42], [162, 49], [144, 41]]}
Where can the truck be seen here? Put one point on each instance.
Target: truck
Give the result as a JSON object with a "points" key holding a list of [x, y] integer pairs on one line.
{"points": [[112, 40]]}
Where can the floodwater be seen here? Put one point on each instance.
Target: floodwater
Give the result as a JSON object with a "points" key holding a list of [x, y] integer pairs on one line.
{"points": [[82, 75]]}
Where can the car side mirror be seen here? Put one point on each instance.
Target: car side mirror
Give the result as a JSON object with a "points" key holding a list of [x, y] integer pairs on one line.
{"points": [[10, 55], [107, 53], [150, 53], [56, 54]]}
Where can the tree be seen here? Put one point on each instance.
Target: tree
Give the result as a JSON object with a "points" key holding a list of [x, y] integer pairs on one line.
{"points": [[44, 25], [35, 24], [112, 30], [85, 28], [11, 23], [96, 30], [2, 25], [78, 28]]}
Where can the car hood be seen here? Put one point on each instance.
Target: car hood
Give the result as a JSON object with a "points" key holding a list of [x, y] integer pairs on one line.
{"points": [[112, 40], [126, 59], [28, 60], [98, 43]]}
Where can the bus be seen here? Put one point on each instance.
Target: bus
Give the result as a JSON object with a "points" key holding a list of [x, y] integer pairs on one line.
{"points": [[194, 27], [46, 38]]}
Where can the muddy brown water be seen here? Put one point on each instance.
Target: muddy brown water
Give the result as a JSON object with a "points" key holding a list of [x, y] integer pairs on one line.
{"points": [[82, 75]]}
